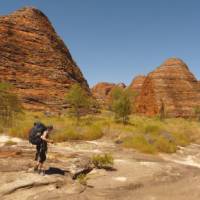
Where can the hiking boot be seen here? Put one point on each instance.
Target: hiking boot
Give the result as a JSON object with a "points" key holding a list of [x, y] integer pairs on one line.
{"points": [[35, 169], [41, 172]]}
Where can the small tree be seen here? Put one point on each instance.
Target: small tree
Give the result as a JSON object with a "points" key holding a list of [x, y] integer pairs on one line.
{"points": [[121, 104], [10, 106], [197, 112], [162, 114], [78, 100]]}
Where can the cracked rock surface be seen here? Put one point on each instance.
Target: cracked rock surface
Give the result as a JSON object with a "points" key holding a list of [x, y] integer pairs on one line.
{"points": [[134, 176]]}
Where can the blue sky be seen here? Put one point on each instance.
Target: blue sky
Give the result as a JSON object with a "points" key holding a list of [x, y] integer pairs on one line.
{"points": [[115, 40]]}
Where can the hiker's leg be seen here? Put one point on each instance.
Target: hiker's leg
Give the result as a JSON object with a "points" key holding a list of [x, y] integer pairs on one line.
{"points": [[36, 167], [40, 165], [41, 170], [42, 158], [37, 157], [37, 152]]}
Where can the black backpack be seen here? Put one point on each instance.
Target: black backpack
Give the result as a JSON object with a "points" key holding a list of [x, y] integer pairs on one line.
{"points": [[36, 133]]}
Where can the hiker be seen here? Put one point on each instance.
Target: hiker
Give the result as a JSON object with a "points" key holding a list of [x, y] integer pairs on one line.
{"points": [[39, 136]]}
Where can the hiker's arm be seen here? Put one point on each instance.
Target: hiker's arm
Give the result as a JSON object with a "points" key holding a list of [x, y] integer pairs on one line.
{"points": [[44, 137]]}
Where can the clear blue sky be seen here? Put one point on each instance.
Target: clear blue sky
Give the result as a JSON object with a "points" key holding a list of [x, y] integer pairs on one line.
{"points": [[115, 40]]}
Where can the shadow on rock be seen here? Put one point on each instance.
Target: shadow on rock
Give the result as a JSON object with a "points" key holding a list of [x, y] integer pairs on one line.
{"points": [[108, 168], [54, 170]]}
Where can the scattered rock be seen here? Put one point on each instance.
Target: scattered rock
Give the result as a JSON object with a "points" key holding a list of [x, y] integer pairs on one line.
{"points": [[79, 166]]}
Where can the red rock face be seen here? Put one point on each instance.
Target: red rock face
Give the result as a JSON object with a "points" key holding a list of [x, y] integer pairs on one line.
{"points": [[35, 60], [137, 83], [102, 91], [173, 84]]}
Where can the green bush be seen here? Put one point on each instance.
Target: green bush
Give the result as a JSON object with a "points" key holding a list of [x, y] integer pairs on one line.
{"points": [[82, 179], [79, 102], [164, 145], [10, 106], [66, 134], [159, 142], [152, 128], [140, 143], [103, 161], [181, 139], [92, 132], [1, 128], [121, 104], [148, 135], [197, 112], [19, 131]]}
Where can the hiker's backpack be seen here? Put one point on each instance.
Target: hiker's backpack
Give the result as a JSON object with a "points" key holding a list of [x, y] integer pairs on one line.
{"points": [[36, 133]]}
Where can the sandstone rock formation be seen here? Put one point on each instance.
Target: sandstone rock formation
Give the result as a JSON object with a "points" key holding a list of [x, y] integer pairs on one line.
{"points": [[136, 84], [121, 85], [171, 86], [35, 60], [102, 91]]}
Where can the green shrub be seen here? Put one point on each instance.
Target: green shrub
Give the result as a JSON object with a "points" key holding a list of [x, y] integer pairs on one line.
{"points": [[154, 143], [140, 143], [1, 128], [82, 179], [79, 101], [181, 139], [66, 134], [19, 131], [121, 104], [10, 106], [148, 135], [197, 112], [164, 145], [65, 128], [103, 161], [92, 132], [152, 128]]}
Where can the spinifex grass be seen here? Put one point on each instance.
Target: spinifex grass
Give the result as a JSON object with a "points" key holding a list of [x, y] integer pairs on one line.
{"points": [[149, 135]]}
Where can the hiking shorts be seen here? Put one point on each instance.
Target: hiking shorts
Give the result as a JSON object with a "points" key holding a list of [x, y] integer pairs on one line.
{"points": [[40, 155]]}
